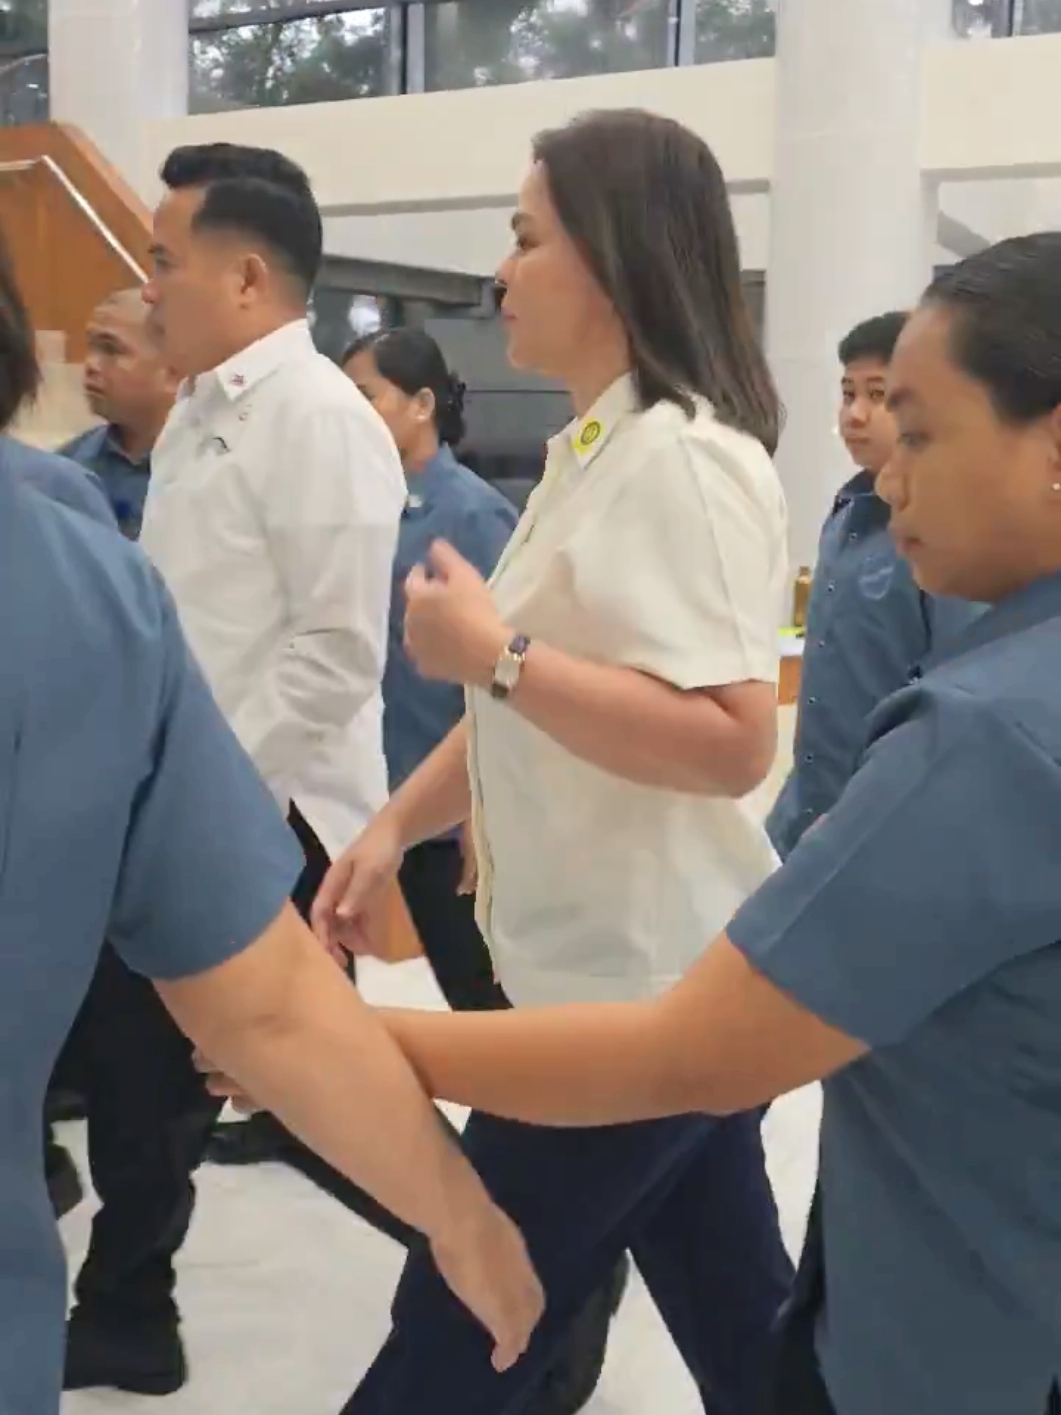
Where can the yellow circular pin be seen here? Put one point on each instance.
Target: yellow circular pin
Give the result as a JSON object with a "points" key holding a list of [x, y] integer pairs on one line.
{"points": [[589, 435]]}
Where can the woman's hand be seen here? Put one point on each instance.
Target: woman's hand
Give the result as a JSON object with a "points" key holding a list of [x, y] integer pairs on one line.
{"points": [[222, 1086], [350, 912], [453, 631]]}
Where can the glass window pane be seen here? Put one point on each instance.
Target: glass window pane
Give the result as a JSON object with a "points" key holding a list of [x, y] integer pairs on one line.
{"points": [[735, 29], [297, 61], [472, 43], [23, 25], [211, 9], [980, 19], [1040, 17], [24, 91]]}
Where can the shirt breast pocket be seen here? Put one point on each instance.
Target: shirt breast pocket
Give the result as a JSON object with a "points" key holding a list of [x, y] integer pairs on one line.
{"points": [[876, 576]]}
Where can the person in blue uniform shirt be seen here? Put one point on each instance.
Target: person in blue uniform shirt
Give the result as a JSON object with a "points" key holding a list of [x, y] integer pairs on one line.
{"points": [[57, 477], [868, 622], [128, 810], [908, 952], [403, 374], [70, 485], [128, 385]]}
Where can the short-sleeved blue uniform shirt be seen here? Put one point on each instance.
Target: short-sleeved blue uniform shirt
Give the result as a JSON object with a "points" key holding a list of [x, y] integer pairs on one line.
{"points": [[448, 502], [923, 917], [124, 480], [120, 784], [56, 477], [867, 625]]}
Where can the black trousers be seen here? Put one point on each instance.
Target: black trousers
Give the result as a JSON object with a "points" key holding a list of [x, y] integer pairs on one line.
{"points": [[445, 921], [149, 1118]]}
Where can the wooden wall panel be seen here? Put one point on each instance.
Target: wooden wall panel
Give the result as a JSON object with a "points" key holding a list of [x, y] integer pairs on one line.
{"points": [[65, 265]]}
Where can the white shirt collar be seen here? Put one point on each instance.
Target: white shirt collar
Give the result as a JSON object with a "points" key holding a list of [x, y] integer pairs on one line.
{"points": [[587, 436], [238, 374]]}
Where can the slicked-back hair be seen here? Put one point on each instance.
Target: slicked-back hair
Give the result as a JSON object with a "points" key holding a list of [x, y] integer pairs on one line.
{"points": [[258, 192]]}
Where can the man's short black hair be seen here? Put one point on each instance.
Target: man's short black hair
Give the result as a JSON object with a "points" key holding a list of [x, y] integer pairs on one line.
{"points": [[257, 191], [20, 373], [874, 338]]}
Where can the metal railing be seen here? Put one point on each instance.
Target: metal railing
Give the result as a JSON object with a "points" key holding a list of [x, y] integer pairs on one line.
{"points": [[79, 199]]}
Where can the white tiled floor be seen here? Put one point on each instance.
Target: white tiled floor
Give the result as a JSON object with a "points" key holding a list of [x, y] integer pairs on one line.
{"points": [[285, 1294]]}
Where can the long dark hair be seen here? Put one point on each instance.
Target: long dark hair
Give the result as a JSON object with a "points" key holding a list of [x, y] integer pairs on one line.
{"points": [[20, 373], [644, 200], [412, 361], [1005, 307]]}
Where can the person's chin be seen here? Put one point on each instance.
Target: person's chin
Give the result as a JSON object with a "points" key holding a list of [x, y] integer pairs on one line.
{"points": [[516, 357], [928, 575]]}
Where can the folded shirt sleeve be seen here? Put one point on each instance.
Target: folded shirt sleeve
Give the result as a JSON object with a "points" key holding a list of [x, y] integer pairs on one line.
{"points": [[936, 868]]}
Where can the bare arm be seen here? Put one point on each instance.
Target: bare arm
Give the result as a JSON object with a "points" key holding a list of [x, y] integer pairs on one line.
{"points": [[714, 741], [284, 1021], [287, 1025], [724, 1039], [436, 798]]}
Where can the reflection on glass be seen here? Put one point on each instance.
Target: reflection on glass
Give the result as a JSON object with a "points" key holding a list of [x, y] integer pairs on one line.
{"points": [[735, 29], [292, 61], [1040, 17], [474, 43], [24, 90], [980, 19], [338, 317], [24, 25]]}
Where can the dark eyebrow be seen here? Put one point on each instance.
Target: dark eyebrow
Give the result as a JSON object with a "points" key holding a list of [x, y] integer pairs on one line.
{"points": [[519, 220]]}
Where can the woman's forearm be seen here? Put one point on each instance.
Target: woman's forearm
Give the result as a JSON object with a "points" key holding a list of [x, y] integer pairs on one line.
{"points": [[436, 797], [712, 742], [724, 1039], [574, 1065], [281, 1019]]}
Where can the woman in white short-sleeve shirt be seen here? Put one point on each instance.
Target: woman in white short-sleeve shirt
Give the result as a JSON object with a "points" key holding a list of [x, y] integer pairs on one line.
{"points": [[621, 670]]}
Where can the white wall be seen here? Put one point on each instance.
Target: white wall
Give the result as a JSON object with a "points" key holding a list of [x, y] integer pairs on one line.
{"points": [[469, 149], [473, 242], [429, 179], [991, 109]]}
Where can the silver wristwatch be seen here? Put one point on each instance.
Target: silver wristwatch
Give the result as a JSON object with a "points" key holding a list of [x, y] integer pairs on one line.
{"points": [[508, 668]]}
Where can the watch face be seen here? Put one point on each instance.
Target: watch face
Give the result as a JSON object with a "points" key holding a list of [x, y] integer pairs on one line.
{"points": [[507, 675]]}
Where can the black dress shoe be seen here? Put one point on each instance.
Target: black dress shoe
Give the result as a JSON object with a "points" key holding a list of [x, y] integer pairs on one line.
{"points": [[137, 1357], [64, 1183], [257, 1140], [570, 1382], [63, 1105]]}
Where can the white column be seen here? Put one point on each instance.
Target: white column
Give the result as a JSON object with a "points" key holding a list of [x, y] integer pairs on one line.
{"points": [[852, 223], [114, 65]]}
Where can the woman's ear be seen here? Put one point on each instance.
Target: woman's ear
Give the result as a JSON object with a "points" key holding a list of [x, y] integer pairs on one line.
{"points": [[1053, 432], [425, 406]]}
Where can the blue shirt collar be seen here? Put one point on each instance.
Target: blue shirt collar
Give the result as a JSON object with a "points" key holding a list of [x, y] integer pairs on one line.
{"points": [[424, 486], [861, 484], [1034, 604], [109, 438]]}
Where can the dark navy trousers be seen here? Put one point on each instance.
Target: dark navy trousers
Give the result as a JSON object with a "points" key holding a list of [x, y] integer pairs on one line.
{"points": [[688, 1197]]}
